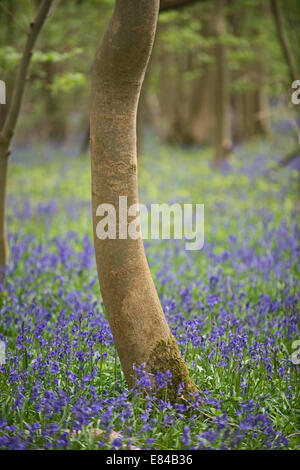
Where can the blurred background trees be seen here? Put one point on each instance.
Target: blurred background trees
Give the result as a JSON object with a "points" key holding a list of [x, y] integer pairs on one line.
{"points": [[218, 75]]}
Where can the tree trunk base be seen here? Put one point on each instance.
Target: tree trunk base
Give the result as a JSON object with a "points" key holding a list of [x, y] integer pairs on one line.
{"points": [[166, 356]]}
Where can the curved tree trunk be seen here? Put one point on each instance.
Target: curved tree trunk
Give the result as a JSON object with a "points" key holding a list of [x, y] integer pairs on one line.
{"points": [[134, 312], [10, 122]]}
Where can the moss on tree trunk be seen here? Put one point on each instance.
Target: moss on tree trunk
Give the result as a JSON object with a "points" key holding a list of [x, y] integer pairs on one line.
{"points": [[166, 356]]}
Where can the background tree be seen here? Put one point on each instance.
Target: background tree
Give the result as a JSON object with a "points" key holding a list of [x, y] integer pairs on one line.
{"points": [[283, 39], [288, 55], [178, 104], [222, 97]]}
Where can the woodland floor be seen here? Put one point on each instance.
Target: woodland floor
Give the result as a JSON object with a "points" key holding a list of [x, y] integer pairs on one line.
{"points": [[233, 307]]}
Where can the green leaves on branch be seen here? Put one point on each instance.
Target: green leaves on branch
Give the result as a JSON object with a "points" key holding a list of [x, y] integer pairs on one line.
{"points": [[10, 57], [67, 82], [40, 57]]}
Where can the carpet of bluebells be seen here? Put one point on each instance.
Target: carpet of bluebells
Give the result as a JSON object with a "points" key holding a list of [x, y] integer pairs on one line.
{"points": [[233, 308]]}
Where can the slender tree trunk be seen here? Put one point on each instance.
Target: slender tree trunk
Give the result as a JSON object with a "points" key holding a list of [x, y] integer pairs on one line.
{"points": [[202, 109], [222, 129], [166, 95], [236, 21], [135, 315], [283, 40], [8, 26], [3, 188], [9, 125], [56, 123], [260, 105], [254, 120], [175, 98], [287, 53]]}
